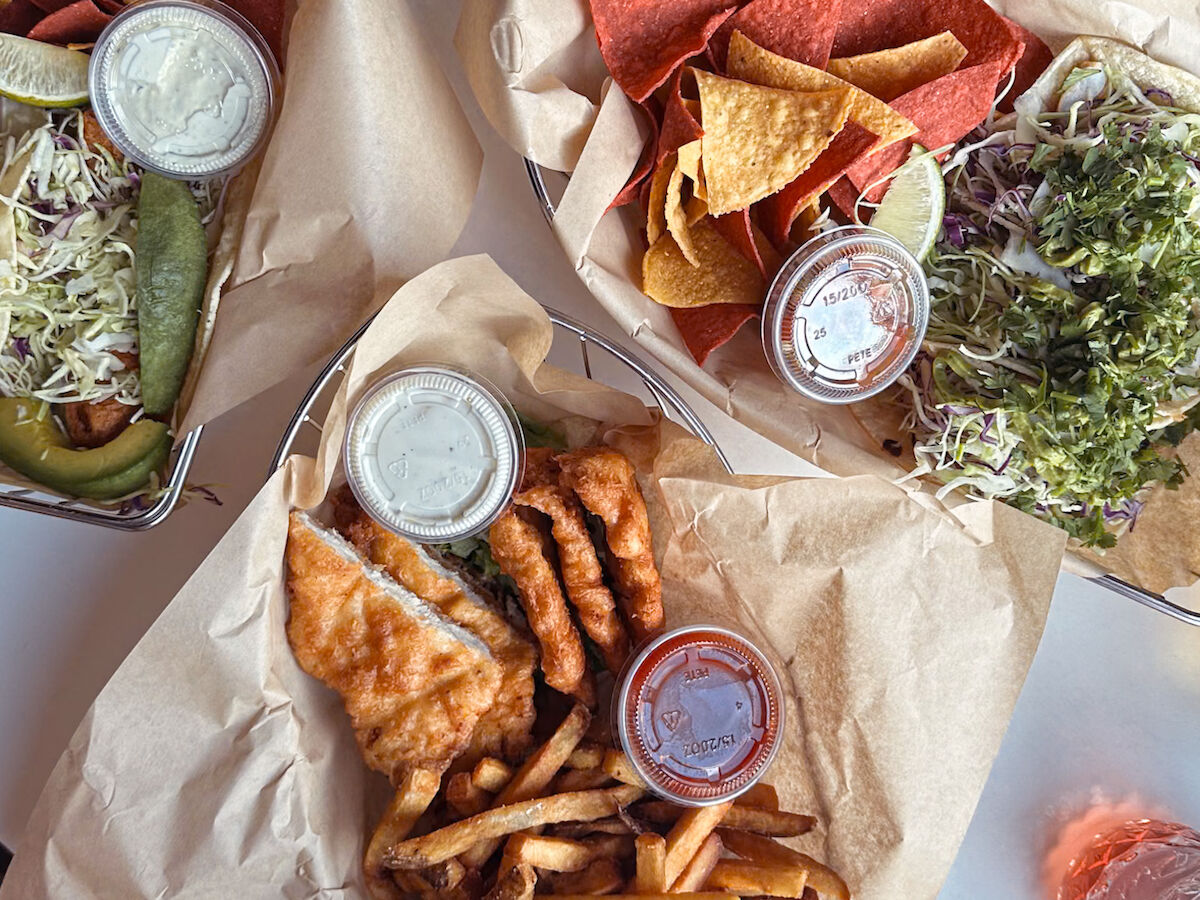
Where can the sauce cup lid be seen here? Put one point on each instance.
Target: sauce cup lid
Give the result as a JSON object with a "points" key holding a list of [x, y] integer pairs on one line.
{"points": [[845, 315], [185, 88], [699, 712], [433, 453]]}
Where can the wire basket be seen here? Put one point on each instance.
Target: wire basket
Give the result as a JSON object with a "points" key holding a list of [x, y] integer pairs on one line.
{"points": [[575, 347], [122, 517], [548, 204]]}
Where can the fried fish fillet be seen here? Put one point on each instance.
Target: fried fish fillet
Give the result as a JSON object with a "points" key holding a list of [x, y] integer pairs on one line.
{"points": [[519, 548], [581, 573], [605, 483], [413, 682], [505, 729]]}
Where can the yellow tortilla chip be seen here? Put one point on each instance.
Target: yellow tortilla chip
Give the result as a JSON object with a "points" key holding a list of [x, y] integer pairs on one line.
{"points": [[689, 163], [697, 209], [723, 275], [887, 74], [751, 62], [677, 218], [656, 203], [758, 139]]}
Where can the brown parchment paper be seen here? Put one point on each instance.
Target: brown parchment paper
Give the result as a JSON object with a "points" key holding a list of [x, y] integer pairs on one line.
{"points": [[367, 180], [210, 765], [606, 248]]}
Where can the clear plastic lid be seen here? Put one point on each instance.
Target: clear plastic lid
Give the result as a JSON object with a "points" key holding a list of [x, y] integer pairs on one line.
{"points": [[433, 454], [845, 315], [700, 714], [185, 88]]}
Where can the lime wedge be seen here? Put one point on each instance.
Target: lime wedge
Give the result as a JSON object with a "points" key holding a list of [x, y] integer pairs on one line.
{"points": [[42, 74], [911, 210]]}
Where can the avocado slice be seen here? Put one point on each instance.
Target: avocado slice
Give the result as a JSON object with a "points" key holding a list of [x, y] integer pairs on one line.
{"points": [[39, 450], [172, 268]]}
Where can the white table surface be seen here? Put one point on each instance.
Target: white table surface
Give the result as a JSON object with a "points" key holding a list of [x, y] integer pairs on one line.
{"points": [[1110, 708]]}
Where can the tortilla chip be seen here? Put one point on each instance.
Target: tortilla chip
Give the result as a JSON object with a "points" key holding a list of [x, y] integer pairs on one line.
{"points": [[643, 41], [706, 328], [870, 25], [1033, 62], [887, 74], [779, 211], [268, 17], [844, 196], [656, 203], [18, 16], [737, 229], [752, 63], [695, 210], [723, 275], [645, 163], [78, 23], [757, 139], [679, 124], [945, 109], [677, 217], [689, 160], [802, 30]]}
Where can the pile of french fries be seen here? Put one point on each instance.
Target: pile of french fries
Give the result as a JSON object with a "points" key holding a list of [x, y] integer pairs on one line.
{"points": [[575, 820]]}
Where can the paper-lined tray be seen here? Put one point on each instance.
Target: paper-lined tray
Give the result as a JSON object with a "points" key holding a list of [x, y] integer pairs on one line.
{"points": [[902, 634], [534, 99]]}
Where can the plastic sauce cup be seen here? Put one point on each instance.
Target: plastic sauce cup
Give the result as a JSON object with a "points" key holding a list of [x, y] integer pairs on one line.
{"points": [[433, 453], [845, 315], [699, 712], [185, 88]]}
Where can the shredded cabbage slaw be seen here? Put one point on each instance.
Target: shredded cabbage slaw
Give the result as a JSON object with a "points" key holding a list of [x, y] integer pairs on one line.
{"points": [[1063, 351]]}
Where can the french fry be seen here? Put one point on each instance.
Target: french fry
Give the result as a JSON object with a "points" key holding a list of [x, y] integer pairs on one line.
{"points": [[440, 879], [489, 826], [491, 775], [688, 833], [763, 851], [465, 797], [588, 756], [515, 884], [746, 818], [651, 873], [601, 876], [761, 795], [741, 877], [699, 867], [580, 780], [531, 779], [412, 798], [617, 765], [558, 854], [600, 826]]}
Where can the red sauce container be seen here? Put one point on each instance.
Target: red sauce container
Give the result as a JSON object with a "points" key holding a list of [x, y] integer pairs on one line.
{"points": [[699, 712]]}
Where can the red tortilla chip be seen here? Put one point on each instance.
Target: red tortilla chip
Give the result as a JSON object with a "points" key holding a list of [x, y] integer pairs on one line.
{"points": [[802, 30], [705, 328], [646, 162], [679, 126], [18, 16], [79, 23], [945, 110], [644, 41], [844, 196], [1033, 62], [870, 25], [267, 17], [735, 227], [780, 210], [49, 6]]}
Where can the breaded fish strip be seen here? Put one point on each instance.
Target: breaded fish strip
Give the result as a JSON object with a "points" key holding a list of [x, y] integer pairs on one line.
{"points": [[519, 548], [504, 730], [413, 682], [581, 573], [605, 483]]}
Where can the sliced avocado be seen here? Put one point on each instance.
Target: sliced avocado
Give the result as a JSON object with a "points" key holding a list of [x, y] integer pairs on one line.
{"points": [[172, 267], [39, 450]]}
